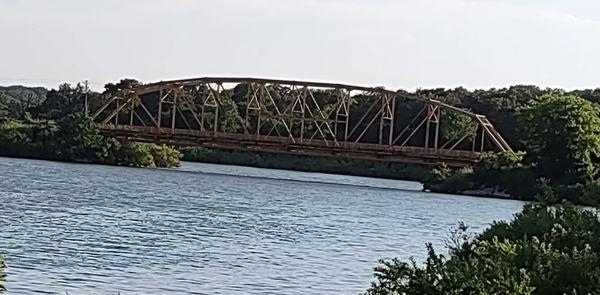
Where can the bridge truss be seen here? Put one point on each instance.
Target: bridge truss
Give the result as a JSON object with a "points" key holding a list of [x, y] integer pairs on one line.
{"points": [[299, 117]]}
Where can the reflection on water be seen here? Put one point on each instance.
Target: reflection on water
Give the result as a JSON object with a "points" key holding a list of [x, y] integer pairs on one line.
{"points": [[213, 229]]}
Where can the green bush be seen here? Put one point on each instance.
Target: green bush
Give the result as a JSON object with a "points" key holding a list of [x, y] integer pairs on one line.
{"points": [[165, 156], [2, 275], [502, 172], [543, 250], [76, 138]]}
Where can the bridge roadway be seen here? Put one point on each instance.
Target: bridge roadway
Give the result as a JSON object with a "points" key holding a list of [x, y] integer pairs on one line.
{"points": [[278, 144]]}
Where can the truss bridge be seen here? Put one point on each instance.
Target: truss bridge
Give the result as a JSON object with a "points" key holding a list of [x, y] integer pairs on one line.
{"points": [[299, 117]]}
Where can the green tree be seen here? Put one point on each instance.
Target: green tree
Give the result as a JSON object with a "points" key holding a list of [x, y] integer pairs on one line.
{"points": [[122, 85], [59, 103], [563, 138], [79, 138], [454, 126]]}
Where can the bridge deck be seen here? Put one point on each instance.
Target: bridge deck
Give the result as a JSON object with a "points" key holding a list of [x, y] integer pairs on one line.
{"points": [[277, 144]]}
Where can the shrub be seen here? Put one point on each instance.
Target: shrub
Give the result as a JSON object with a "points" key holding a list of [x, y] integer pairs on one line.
{"points": [[165, 156], [543, 250], [2, 275]]}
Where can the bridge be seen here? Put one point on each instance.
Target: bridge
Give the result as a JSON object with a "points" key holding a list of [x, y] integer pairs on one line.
{"points": [[299, 117]]}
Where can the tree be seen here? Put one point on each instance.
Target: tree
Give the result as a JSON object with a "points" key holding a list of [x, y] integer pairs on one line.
{"points": [[563, 138], [454, 126], [79, 137], [124, 84], [65, 100]]}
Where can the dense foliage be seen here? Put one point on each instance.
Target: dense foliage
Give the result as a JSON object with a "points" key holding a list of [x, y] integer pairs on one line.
{"points": [[76, 138], [2, 275], [562, 136], [543, 250], [53, 127], [16, 100]]}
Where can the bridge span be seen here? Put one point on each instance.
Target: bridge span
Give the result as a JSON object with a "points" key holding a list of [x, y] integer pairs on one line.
{"points": [[299, 117]]}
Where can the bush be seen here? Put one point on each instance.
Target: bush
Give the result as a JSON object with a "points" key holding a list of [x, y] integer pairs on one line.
{"points": [[496, 173], [543, 250], [76, 138], [136, 154], [2, 275], [165, 156]]}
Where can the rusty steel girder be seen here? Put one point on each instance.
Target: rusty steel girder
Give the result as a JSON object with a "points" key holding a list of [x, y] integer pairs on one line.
{"points": [[300, 117]]}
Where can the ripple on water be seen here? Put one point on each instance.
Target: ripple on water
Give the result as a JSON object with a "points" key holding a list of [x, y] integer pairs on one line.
{"points": [[212, 229]]}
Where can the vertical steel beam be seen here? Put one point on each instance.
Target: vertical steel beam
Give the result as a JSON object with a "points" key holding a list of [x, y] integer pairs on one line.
{"points": [[302, 95], [159, 115], [438, 116], [202, 109], [260, 100], [174, 111], [392, 122], [248, 100], [428, 125], [383, 99], [216, 97], [131, 113], [118, 111], [482, 136], [347, 106]]}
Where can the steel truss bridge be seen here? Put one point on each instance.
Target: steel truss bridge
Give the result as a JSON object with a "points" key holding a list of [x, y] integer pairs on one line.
{"points": [[298, 117]]}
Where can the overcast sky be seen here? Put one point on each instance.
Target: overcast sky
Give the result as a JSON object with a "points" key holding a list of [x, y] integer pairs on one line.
{"points": [[392, 43]]}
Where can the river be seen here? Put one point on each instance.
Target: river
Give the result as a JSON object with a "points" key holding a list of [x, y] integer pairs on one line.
{"points": [[214, 229]]}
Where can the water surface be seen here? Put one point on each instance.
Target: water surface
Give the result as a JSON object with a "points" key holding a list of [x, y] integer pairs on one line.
{"points": [[213, 229]]}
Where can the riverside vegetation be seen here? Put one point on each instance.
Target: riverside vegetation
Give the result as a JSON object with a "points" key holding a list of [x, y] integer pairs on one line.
{"points": [[544, 250], [551, 247], [2, 275], [51, 125]]}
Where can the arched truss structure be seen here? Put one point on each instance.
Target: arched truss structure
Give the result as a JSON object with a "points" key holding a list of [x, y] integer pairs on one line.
{"points": [[299, 117]]}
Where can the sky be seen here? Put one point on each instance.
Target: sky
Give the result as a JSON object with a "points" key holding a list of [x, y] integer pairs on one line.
{"points": [[390, 43]]}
